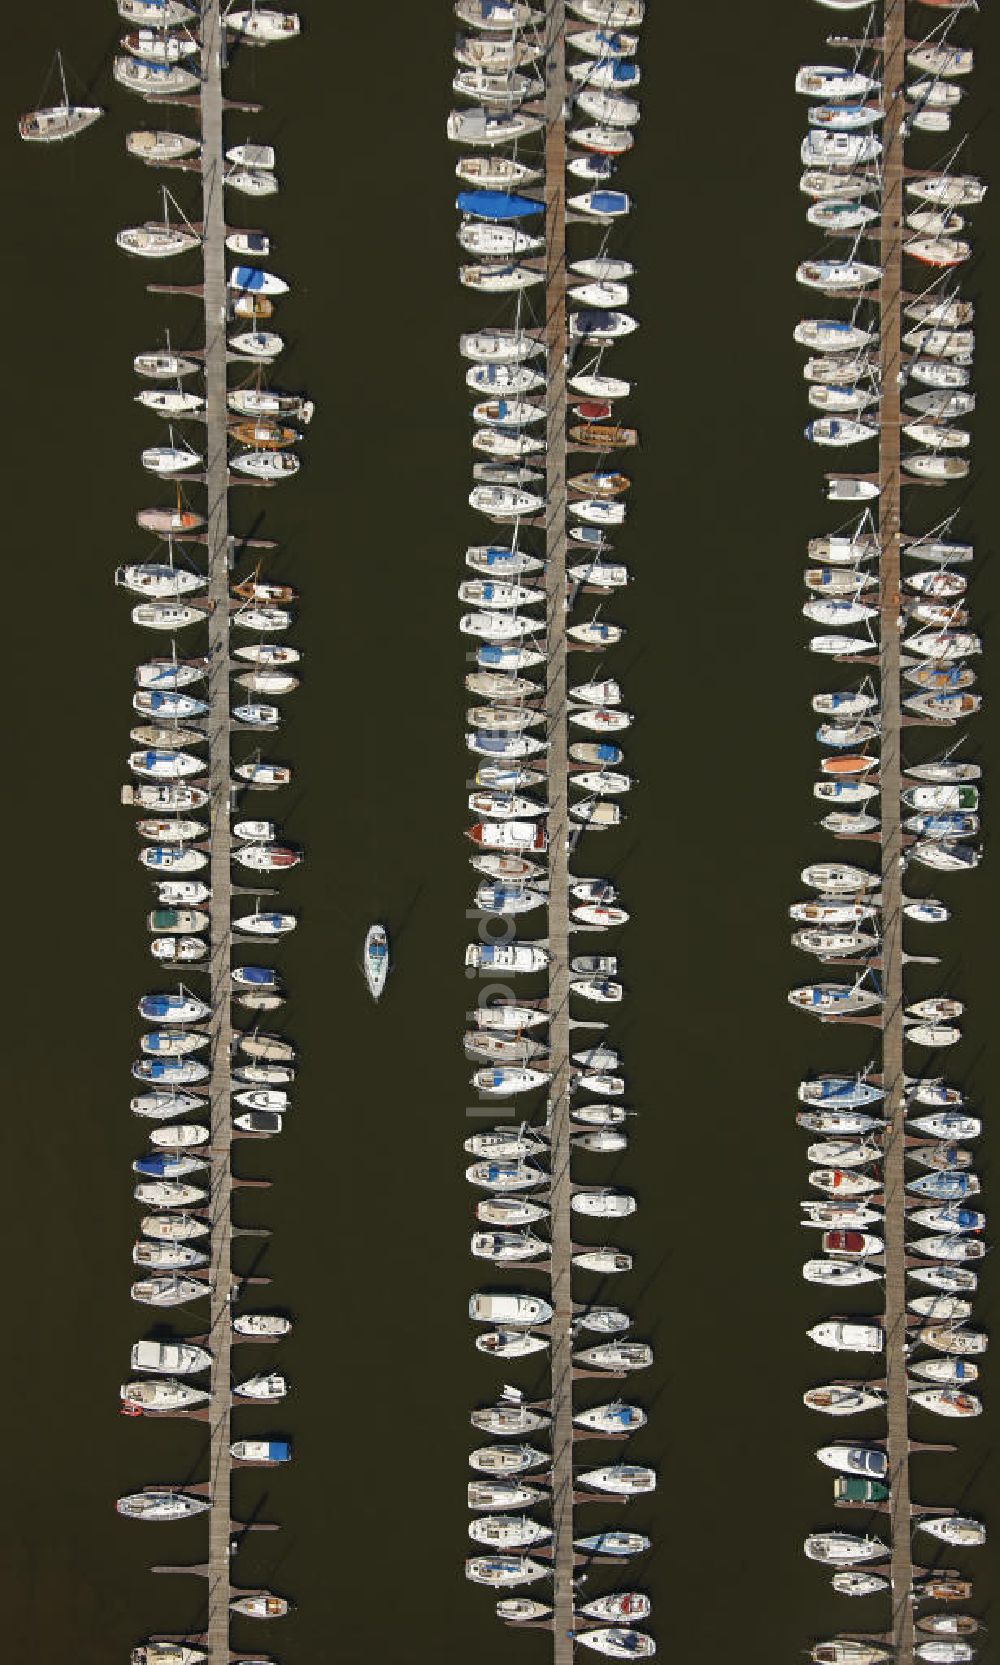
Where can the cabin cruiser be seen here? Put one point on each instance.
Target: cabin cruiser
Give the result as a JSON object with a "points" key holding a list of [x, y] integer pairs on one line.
{"points": [[845, 1337], [527, 1310]]}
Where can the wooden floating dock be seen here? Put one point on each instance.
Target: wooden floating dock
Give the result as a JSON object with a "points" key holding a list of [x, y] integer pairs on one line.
{"points": [[561, 1352], [218, 552], [890, 770]]}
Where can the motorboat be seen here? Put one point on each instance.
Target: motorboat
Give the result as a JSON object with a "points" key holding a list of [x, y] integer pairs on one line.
{"points": [[265, 1388], [604, 1203], [262, 1454], [845, 1337], [509, 1344], [509, 1309]]}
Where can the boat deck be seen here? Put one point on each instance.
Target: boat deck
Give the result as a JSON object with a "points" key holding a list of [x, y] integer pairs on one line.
{"points": [[894, 47], [563, 1557]]}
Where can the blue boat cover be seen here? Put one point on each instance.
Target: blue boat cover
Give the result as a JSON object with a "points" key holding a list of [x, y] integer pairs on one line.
{"points": [[155, 1165], [497, 205], [246, 277], [258, 974], [608, 202], [279, 1451]]}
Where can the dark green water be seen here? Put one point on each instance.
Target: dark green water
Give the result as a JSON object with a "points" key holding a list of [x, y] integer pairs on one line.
{"points": [[370, 1213]]}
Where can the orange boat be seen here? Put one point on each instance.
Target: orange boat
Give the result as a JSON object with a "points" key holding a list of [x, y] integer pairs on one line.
{"points": [[857, 763], [263, 436], [253, 306], [600, 485], [603, 436], [945, 1589]]}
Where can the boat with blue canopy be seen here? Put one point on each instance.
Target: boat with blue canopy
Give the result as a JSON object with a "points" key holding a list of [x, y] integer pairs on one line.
{"points": [[497, 205]]}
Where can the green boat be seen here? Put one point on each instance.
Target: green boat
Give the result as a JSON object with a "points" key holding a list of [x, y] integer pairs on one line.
{"points": [[857, 1488]]}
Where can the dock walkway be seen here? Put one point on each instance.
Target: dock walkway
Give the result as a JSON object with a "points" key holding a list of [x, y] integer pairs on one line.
{"points": [[218, 550], [894, 48], [558, 829]]}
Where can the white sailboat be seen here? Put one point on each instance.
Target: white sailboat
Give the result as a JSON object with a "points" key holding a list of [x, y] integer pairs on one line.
{"points": [[58, 121]]}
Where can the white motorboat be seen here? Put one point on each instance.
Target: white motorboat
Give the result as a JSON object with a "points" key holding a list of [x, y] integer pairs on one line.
{"points": [[604, 1204], [264, 1388], [515, 1310], [844, 1337]]}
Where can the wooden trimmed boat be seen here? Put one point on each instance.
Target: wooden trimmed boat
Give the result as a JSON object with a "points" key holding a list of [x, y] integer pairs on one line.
{"points": [[604, 436]]}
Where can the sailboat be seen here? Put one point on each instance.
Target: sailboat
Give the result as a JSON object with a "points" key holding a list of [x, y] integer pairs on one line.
{"points": [[58, 121], [375, 961]]}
